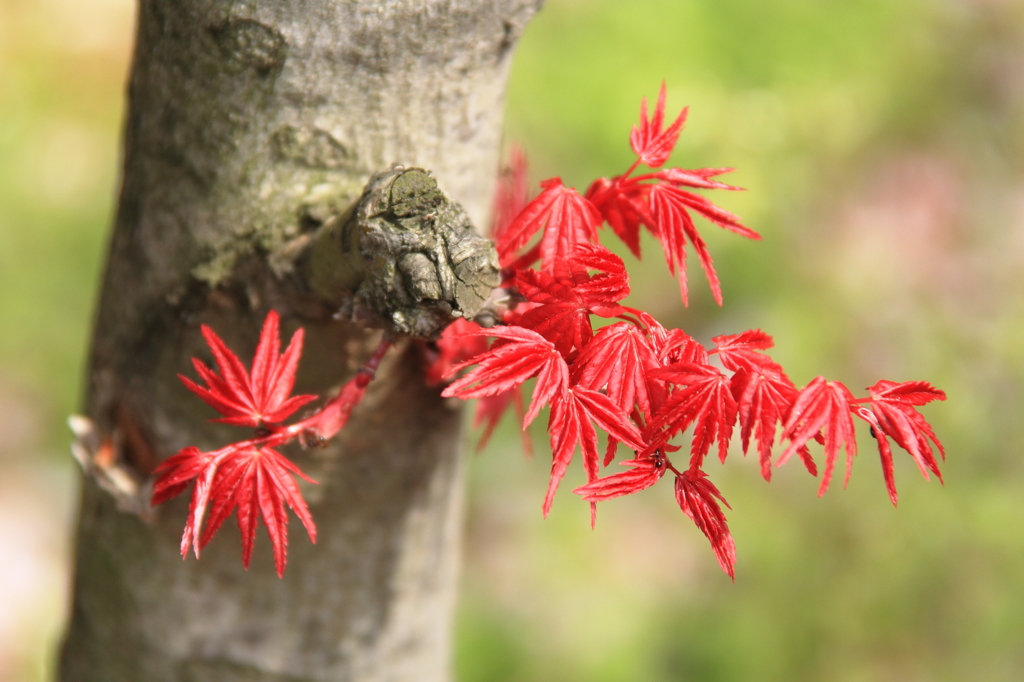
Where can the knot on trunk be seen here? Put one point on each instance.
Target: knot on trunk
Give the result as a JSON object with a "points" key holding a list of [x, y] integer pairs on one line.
{"points": [[409, 253]]}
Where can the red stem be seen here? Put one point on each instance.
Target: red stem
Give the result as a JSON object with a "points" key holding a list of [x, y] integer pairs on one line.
{"points": [[369, 369], [631, 169], [330, 418]]}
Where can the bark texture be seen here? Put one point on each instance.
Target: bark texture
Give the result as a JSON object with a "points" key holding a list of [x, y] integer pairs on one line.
{"points": [[250, 125]]}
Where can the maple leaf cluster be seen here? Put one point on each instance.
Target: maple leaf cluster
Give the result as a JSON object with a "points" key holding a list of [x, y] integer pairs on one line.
{"points": [[640, 383], [251, 475]]}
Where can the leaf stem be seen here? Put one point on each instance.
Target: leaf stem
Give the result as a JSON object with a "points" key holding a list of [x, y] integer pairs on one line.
{"points": [[631, 169]]}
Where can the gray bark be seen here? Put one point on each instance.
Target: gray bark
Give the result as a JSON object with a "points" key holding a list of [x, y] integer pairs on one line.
{"points": [[250, 124]]}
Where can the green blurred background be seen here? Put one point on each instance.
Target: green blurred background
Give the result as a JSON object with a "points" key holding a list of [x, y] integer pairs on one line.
{"points": [[881, 144]]}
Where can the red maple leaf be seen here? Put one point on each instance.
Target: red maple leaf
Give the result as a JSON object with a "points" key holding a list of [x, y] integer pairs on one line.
{"points": [[675, 345], [623, 205], [567, 297], [617, 361], [249, 475], [571, 423], [455, 347], [568, 219], [698, 498], [705, 400], [907, 393], [677, 178], [763, 399], [518, 355], [892, 415], [699, 178], [649, 142], [822, 409], [257, 399], [670, 208], [608, 284], [643, 473], [656, 200], [176, 473], [738, 351], [255, 480]]}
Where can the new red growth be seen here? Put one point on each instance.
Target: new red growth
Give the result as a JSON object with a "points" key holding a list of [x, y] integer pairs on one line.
{"points": [[250, 475], [642, 384]]}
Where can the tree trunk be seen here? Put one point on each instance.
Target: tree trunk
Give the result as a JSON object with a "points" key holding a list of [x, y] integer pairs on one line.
{"points": [[250, 125]]}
